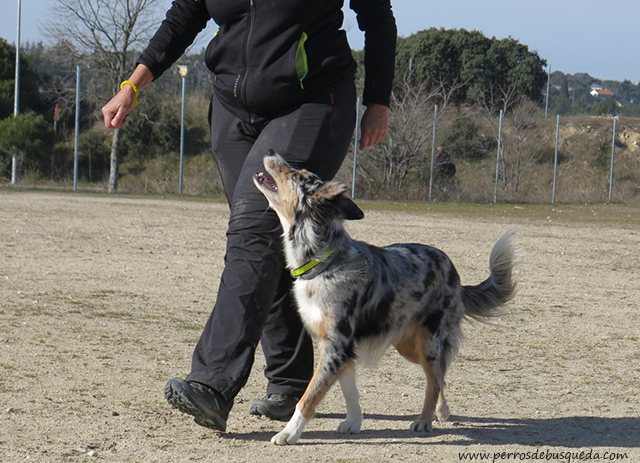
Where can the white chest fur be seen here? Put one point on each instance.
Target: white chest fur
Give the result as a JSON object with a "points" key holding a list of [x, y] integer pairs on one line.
{"points": [[311, 309]]}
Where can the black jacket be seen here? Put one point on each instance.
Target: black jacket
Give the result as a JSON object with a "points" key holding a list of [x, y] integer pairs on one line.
{"points": [[269, 56]]}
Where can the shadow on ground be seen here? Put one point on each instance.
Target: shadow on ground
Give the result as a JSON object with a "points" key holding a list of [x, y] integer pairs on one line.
{"points": [[568, 432]]}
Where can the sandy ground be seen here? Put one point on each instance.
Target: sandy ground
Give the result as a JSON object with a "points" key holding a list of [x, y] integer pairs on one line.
{"points": [[102, 300]]}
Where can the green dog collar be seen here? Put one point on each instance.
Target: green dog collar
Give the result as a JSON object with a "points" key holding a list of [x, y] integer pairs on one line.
{"points": [[302, 272]]}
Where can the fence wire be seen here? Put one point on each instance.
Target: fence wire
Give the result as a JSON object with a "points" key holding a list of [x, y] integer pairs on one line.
{"points": [[466, 154]]}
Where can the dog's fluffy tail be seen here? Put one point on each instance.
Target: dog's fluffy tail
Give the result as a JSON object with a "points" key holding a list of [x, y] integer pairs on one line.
{"points": [[484, 300]]}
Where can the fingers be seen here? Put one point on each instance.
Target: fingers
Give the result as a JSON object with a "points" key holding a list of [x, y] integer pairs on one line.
{"points": [[374, 125], [370, 137], [115, 112], [111, 118], [115, 115], [120, 118]]}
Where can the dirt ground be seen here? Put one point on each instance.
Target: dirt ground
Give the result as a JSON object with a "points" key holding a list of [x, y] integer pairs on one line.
{"points": [[103, 298]]}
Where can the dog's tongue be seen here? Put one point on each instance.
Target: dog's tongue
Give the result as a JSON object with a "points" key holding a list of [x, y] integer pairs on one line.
{"points": [[271, 184], [267, 181]]}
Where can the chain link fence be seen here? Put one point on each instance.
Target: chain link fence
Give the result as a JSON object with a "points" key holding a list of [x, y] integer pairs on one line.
{"points": [[455, 153]]}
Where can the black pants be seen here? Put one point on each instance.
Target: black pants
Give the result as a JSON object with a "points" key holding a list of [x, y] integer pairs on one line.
{"points": [[254, 300]]}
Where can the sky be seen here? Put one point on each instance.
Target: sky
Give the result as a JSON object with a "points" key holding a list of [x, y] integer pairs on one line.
{"points": [[574, 36]]}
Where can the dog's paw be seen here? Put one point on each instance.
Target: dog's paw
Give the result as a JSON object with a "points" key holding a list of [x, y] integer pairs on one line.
{"points": [[421, 426], [284, 438], [442, 412], [291, 432], [350, 427]]}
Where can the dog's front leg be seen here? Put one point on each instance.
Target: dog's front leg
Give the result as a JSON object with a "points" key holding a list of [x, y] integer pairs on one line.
{"points": [[331, 364], [351, 425]]}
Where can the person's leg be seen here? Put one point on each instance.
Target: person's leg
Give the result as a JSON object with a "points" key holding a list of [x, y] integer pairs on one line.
{"points": [[225, 352], [315, 136], [201, 395], [287, 346]]}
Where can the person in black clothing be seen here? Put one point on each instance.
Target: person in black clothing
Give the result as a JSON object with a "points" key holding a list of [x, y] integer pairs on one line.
{"points": [[445, 167], [284, 80]]}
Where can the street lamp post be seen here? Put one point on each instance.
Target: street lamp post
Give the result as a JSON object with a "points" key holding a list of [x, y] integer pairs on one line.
{"points": [[546, 103], [16, 99], [183, 72]]}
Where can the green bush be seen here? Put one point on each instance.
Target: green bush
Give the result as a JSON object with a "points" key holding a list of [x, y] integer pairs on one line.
{"points": [[463, 141], [28, 137]]}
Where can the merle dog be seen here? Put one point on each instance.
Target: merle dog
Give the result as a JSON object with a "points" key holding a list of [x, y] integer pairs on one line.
{"points": [[357, 299]]}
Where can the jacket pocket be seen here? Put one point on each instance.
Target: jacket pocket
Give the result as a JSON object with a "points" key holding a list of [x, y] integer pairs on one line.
{"points": [[301, 62]]}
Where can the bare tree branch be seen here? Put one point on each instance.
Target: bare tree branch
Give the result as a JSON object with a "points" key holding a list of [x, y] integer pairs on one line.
{"points": [[103, 33]]}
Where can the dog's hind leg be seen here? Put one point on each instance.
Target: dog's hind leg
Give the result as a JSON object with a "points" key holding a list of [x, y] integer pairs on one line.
{"points": [[434, 370], [423, 423], [442, 408], [331, 365], [351, 425]]}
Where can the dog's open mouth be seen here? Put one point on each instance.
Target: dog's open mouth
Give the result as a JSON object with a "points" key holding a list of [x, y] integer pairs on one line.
{"points": [[266, 182]]}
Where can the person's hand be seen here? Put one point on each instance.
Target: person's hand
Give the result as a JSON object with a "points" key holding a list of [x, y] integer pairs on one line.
{"points": [[374, 125], [115, 112]]}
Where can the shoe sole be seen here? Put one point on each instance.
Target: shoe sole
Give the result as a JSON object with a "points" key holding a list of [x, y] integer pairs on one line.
{"points": [[180, 399], [261, 410]]}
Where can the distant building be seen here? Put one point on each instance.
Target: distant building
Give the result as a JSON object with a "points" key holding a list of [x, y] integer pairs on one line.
{"points": [[601, 93]]}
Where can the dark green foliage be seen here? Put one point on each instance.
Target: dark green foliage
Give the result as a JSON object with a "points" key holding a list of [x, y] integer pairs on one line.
{"points": [[150, 131], [153, 130], [496, 73], [605, 107], [94, 155], [462, 140], [28, 137], [30, 98]]}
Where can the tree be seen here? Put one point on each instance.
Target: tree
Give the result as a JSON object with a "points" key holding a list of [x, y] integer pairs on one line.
{"points": [[523, 145], [403, 153], [629, 91], [31, 99], [94, 155], [24, 136], [499, 73], [463, 139], [441, 57], [104, 34], [516, 73], [152, 130]]}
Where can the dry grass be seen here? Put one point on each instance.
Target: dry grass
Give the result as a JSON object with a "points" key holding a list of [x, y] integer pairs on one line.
{"points": [[527, 165]]}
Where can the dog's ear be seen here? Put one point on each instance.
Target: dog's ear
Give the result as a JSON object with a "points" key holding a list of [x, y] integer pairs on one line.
{"points": [[349, 209], [335, 192]]}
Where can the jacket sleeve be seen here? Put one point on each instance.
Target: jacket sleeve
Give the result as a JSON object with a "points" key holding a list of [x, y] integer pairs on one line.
{"points": [[376, 19], [184, 20]]}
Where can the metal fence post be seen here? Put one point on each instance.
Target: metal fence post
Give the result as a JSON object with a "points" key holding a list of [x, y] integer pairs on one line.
{"points": [[355, 150], [555, 161], [433, 151], [495, 193], [613, 157], [77, 142]]}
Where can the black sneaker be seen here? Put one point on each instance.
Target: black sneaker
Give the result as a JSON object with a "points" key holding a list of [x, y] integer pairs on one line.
{"points": [[207, 406], [275, 406]]}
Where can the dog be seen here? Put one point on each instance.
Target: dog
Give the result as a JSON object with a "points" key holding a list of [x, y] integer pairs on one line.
{"points": [[356, 299]]}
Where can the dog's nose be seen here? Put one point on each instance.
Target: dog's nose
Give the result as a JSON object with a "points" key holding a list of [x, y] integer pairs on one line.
{"points": [[271, 152]]}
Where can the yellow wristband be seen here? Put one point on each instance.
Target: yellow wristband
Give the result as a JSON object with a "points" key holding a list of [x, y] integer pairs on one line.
{"points": [[135, 90]]}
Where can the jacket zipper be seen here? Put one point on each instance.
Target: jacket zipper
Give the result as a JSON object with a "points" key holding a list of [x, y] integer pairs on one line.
{"points": [[240, 87]]}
